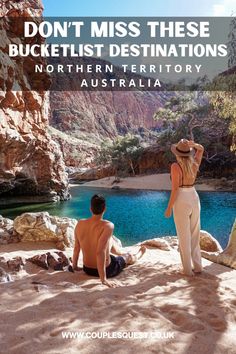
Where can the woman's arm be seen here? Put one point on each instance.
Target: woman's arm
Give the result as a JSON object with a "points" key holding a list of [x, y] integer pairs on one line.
{"points": [[199, 153], [174, 188]]}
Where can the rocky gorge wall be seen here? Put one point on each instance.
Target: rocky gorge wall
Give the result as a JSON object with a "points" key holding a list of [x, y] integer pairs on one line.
{"points": [[31, 163], [41, 133], [82, 119]]}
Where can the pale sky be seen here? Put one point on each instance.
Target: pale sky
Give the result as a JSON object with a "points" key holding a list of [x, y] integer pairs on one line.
{"points": [[139, 7]]}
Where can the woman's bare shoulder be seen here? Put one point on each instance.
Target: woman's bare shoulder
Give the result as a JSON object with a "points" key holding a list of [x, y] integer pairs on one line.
{"points": [[174, 166]]}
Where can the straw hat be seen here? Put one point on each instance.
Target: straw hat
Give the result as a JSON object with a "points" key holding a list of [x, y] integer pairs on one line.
{"points": [[182, 148]]}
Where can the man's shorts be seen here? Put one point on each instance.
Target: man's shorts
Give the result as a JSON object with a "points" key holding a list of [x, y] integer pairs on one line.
{"points": [[115, 267]]}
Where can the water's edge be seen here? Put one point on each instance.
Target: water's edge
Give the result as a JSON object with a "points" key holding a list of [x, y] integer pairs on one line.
{"points": [[139, 214]]}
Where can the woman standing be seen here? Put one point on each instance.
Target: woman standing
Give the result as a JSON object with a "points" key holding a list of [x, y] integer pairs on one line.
{"points": [[185, 203]]}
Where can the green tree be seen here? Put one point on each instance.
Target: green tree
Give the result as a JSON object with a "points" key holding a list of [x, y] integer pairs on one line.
{"points": [[224, 103], [194, 115], [122, 153], [232, 44], [188, 109]]}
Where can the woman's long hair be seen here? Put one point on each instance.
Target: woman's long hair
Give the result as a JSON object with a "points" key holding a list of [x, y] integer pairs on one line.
{"points": [[188, 165]]}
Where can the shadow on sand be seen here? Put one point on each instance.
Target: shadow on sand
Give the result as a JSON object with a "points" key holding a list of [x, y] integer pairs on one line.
{"points": [[152, 296]]}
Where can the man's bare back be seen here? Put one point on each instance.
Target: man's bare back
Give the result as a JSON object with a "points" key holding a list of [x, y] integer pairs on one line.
{"points": [[88, 233], [94, 236]]}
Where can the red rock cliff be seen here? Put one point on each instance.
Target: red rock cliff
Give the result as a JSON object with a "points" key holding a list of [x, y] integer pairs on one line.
{"points": [[93, 116], [31, 162]]}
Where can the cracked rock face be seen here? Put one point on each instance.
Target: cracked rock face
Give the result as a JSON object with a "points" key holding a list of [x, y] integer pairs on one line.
{"points": [[31, 163], [81, 120], [41, 226], [54, 260], [7, 234], [37, 227]]}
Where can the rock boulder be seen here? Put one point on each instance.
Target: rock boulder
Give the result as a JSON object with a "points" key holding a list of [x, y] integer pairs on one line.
{"points": [[15, 264], [40, 260], [41, 226], [208, 242], [228, 256], [7, 234], [54, 260], [158, 242]]}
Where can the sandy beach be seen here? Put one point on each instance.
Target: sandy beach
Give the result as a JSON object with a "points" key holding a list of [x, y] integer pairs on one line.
{"points": [[153, 296], [148, 182]]}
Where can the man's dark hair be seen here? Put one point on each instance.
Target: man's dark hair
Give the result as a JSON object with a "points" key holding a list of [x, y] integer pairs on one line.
{"points": [[98, 204]]}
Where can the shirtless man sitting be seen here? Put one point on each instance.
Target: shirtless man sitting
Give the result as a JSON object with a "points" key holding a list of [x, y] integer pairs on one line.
{"points": [[94, 236]]}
